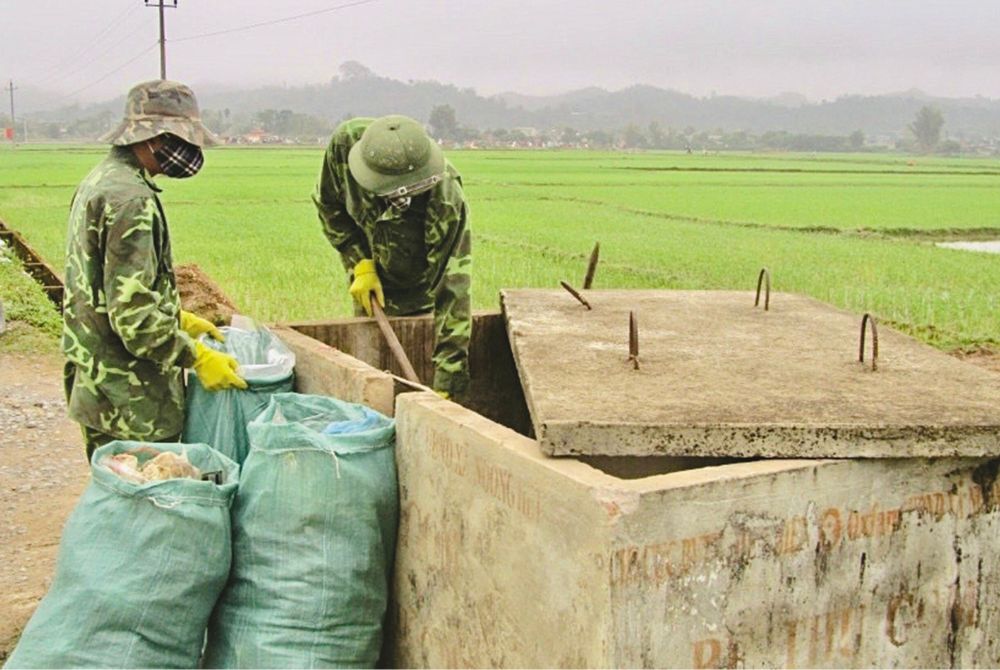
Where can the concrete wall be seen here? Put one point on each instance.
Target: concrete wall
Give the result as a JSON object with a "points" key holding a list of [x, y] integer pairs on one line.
{"points": [[509, 558], [767, 563], [810, 564], [499, 555]]}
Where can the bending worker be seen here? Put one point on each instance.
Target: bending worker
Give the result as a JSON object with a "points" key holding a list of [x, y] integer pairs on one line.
{"points": [[393, 207], [125, 337]]}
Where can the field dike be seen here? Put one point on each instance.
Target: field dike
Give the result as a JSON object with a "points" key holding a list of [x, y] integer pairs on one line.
{"points": [[936, 235], [754, 170]]}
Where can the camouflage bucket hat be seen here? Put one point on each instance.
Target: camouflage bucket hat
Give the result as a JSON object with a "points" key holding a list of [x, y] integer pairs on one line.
{"points": [[396, 157], [160, 106]]}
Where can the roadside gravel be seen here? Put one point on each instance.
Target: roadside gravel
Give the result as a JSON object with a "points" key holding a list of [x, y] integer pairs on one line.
{"points": [[43, 471]]}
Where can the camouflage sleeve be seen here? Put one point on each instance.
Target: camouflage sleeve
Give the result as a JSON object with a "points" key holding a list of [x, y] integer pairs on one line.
{"points": [[449, 256], [338, 226], [146, 322]]}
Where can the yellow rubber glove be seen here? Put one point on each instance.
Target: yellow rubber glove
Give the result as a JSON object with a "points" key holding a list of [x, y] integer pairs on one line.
{"points": [[195, 326], [216, 371], [365, 281]]}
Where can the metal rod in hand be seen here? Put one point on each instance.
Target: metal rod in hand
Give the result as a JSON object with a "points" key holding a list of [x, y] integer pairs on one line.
{"points": [[406, 382], [390, 338]]}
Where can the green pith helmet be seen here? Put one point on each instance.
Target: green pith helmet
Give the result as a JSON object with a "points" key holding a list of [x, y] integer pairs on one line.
{"points": [[160, 106], [396, 157]]}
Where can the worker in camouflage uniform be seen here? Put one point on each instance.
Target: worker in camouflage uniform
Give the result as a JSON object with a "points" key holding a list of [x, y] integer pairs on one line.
{"points": [[393, 207], [125, 337]]}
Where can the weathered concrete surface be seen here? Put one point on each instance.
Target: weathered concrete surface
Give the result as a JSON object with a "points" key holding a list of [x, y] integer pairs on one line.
{"points": [[718, 377], [510, 559], [499, 551], [880, 563]]}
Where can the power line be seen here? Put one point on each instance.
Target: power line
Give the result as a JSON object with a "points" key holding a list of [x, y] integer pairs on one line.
{"points": [[161, 5], [89, 63], [274, 21], [57, 67], [114, 22], [116, 70]]}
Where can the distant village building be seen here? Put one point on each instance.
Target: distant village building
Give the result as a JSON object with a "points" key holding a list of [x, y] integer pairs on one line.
{"points": [[259, 136]]}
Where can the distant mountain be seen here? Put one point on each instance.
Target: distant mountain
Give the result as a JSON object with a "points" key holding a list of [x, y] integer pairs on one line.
{"points": [[370, 96], [31, 99], [788, 99], [534, 103], [358, 91]]}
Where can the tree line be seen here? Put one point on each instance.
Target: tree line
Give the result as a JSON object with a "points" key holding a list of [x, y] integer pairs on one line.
{"points": [[924, 136], [924, 133]]}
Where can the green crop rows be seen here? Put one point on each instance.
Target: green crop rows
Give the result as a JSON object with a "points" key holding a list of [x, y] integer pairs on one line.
{"points": [[855, 231]]}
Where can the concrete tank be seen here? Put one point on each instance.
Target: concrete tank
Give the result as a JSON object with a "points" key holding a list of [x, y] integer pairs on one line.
{"points": [[511, 558]]}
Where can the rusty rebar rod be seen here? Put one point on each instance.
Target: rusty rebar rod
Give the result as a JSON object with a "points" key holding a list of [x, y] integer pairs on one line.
{"points": [[866, 320], [633, 340], [576, 294], [588, 280], [764, 274]]}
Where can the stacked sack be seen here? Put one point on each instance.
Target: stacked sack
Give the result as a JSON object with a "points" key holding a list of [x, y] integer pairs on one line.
{"points": [[307, 546], [314, 526], [142, 560]]}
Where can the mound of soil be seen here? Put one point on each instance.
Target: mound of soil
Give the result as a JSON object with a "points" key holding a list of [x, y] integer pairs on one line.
{"points": [[201, 295]]}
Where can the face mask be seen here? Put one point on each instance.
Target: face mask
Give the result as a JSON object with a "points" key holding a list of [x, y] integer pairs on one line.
{"points": [[178, 159]]}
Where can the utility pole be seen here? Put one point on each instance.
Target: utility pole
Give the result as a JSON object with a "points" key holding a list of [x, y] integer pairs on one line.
{"points": [[161, 5], [13, 121]]}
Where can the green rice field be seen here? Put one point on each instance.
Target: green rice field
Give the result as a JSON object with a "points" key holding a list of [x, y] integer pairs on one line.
{"points": [[853, 230]]}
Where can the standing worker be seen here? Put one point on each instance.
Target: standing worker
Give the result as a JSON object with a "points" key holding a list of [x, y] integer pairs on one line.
{"points": [[393, 207], [125, 337]]}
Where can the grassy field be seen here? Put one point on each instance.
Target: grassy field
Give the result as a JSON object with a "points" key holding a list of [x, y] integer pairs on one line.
{"points": [[33, 325], [852, 230]]}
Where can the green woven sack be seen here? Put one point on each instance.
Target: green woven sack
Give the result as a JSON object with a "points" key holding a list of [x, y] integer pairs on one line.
{"points": [[220, 418], [139, 569], [314, 531]]}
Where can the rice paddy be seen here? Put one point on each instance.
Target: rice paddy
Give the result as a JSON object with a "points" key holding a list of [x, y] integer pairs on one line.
{"points": [[857, 231]]}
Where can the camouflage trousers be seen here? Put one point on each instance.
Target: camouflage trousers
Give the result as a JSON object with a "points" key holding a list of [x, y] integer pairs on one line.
{"points": [[92, 439]]}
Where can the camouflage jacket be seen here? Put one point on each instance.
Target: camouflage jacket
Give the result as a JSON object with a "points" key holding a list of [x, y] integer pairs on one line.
{"points": [[422, 255], [121, 332]]}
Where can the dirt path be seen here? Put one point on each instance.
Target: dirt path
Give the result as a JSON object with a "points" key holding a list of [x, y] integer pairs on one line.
{"points": [[42, 473]]}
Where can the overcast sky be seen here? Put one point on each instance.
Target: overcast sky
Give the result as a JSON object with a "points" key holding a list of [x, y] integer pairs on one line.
{"points": [[820, 48]]}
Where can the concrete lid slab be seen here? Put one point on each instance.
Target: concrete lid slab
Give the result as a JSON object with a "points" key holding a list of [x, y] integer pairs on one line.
{"points": [[719, 377]]}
